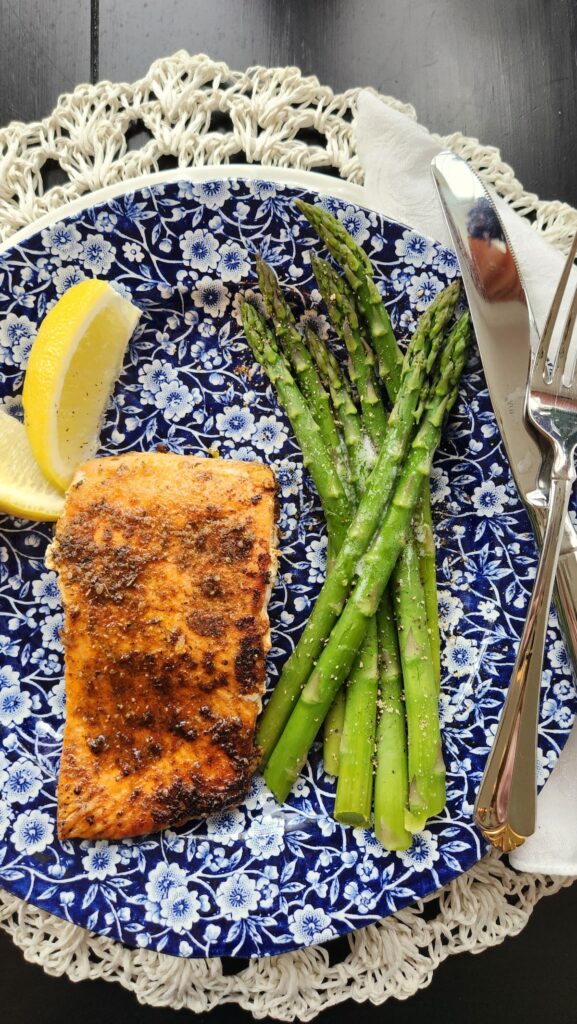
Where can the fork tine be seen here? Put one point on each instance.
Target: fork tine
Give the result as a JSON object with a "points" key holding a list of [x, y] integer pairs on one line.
{"points": [[561, 361], [540, 364]]}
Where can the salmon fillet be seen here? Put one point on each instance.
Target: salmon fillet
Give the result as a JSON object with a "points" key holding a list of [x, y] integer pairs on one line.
{"points": [[166, 564]]}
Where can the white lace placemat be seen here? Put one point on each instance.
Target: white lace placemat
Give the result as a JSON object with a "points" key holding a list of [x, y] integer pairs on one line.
{"points": [[193, 110]]}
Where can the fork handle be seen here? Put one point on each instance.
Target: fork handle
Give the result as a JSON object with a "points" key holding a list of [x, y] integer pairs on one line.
{"points": [[505, 809]]}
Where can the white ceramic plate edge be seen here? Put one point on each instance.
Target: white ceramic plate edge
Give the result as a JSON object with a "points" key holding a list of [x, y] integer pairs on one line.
{"points": [[310, 180]]}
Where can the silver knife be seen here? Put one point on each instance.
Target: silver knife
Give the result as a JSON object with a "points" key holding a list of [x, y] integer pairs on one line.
{"points": [[506, 333]]}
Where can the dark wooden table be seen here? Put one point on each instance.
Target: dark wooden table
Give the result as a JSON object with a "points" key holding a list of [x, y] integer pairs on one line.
{"points": [[505, 72]]}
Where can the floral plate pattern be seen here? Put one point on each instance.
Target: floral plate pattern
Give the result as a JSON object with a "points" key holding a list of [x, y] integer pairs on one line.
{"points": [[260, 879]]}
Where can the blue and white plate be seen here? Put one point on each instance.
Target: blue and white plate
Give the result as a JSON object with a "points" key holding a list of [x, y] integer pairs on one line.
{"points": [[260, 879]]}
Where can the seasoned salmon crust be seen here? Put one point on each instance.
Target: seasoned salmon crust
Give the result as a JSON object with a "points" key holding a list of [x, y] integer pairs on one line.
{"points": [[166, 564]]}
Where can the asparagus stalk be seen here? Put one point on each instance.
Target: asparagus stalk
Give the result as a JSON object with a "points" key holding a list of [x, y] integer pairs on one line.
{"points": [[355, 786], [360, 451], [316, 458], [340, 304], [354, 711], [329, 369], [333, 724], [291, 342], [333, 731], [428, 572], [359, 271], [377, 492], [337, 658], [391, 774], [426, 766]]}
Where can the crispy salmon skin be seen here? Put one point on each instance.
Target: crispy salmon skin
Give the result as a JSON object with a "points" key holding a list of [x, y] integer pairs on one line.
{"points": [[165, 563]]}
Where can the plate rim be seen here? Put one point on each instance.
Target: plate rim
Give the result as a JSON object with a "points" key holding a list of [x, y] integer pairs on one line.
{"points": [[291, 176]]}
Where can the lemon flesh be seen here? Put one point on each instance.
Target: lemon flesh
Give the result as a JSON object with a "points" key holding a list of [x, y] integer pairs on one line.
{"points": [[75, 360], [24, 491]]}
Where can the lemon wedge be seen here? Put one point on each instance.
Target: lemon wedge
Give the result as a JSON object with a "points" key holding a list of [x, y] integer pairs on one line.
{"points": [[75, 359], [24, 491]]}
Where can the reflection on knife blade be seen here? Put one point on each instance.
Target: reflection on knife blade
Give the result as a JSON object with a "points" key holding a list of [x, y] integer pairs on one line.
{"points": [[492, 262], [506, 332]]}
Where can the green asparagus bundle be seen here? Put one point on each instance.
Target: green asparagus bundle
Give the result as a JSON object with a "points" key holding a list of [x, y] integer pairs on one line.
{"points": [[418, 360], [359, 271], [360, 451], [349, 734], [344, 642], [285, 330], [305, 371], [358, 268], [342, 311], [335, 501]]}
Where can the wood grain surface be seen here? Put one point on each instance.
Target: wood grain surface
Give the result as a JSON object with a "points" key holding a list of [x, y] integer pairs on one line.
{"points": [[44, 51], [502, 70]]}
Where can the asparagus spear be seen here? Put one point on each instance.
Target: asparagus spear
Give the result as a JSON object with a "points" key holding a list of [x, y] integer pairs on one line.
{"points": [[428, 571], [333, 731], [361, 452], [391, 774], [359, 271], [329, 370], [355, 786], [353, 713], [328, 606], [426, 766], [292, 344], [340, 304], [336, 660], [316, 458]]}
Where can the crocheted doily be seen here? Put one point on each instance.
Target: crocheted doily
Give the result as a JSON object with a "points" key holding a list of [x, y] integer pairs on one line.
{"points": [[193, 110]]}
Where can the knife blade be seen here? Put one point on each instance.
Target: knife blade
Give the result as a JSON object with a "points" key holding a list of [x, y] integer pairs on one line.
{"points": [[506, 334]]}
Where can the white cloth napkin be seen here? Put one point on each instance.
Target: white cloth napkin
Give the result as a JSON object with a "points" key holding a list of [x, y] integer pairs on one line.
{"points": [[396, 153]]}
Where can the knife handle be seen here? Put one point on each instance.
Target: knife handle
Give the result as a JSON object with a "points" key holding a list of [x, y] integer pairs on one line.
{"points": [[505, 809]]}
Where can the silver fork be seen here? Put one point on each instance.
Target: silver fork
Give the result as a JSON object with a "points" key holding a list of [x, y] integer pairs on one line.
{"points": [[506, 804]]}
